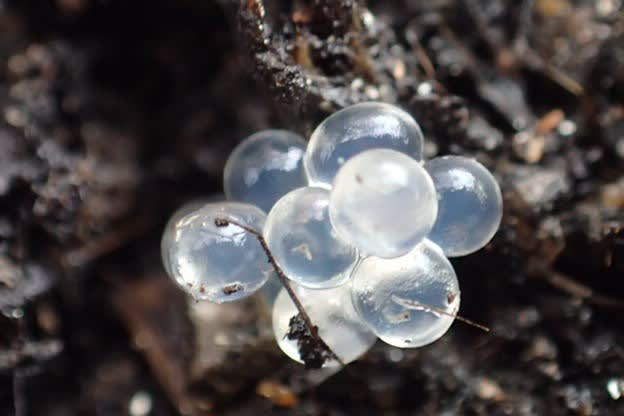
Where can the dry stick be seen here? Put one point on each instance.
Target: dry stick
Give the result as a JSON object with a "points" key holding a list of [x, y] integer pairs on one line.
{"points": [[569, 285], [432, 309], [222, 222]]}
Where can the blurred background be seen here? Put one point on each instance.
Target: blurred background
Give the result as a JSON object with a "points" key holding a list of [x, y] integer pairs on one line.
{"points": [[114, 113]]}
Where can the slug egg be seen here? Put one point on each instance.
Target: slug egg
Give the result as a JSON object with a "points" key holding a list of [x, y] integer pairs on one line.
{"points": [[408, 301], [264, 167], [470, 205], [338, 323], [383, 202], [217, 263], [354, 129], [165, 241], [303, 242]]}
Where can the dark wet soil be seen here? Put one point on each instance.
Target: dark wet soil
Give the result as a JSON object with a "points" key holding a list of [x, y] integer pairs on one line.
{"points": [[114, 113]]}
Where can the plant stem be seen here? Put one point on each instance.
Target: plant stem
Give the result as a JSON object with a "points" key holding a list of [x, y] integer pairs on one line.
{"points": [[313, 329]]}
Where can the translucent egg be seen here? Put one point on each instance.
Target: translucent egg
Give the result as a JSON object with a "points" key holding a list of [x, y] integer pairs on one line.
{"points": [[355, 129], [303, 242], [264, 167], [383, 202], [166, 237], [332, 312], [402, 299], [470, 205], [219, 264]]}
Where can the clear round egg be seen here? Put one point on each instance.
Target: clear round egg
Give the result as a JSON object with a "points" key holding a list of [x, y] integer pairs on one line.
{"points": [[166, 237], [408, 301], [470, 205], [217, 263], [383, 202], [332, 312], [357, 128], [264, 167], [303, 242]]}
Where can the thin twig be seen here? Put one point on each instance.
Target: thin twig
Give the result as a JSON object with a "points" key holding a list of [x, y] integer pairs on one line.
{"points": [[313, 329], [432, 309], [574, 288], [472, 323]]}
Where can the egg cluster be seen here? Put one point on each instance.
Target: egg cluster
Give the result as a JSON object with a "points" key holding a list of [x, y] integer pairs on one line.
{"points": [[355, 218]]}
